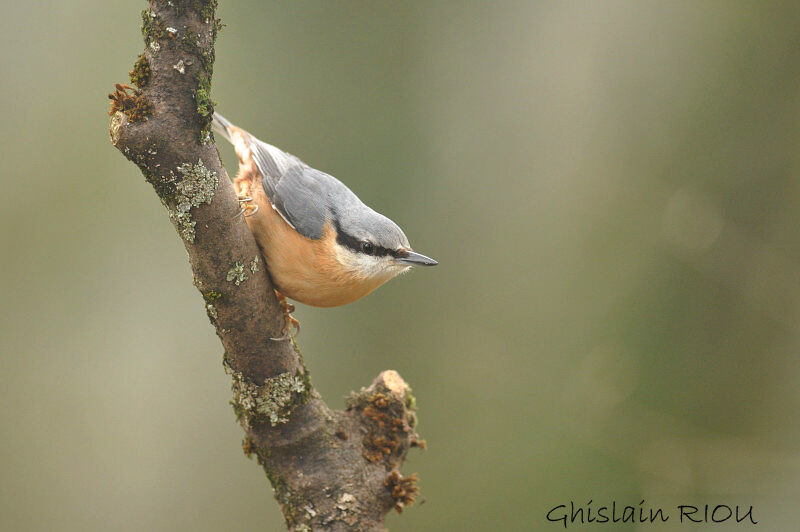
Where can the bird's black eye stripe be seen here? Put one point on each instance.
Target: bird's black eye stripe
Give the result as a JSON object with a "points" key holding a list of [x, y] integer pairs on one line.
{"points": [[359, 246], [362, 246], [368, 248]]}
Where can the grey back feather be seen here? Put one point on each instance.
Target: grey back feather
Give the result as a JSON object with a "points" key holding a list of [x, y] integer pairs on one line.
{"points": [[301, 197], [272, 161], [307, 199]]}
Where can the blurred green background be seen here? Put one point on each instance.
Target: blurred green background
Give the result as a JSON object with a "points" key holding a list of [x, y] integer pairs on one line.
{"points": [[611, 189]]}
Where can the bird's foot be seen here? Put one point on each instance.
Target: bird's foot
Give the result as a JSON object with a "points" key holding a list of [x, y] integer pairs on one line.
{"points": [[291, 321], [246, 206]]}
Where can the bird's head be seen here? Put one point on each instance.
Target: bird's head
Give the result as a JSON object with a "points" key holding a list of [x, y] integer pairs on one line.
{"points": [[371, 246]]}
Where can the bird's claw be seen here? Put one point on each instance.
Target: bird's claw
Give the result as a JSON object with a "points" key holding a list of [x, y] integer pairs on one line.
{"points": [[291, 321], [287, 331], [244, 208]]}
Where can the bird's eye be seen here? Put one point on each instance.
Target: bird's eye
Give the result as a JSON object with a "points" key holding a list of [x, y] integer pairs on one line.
{"points": [[367, 248]]}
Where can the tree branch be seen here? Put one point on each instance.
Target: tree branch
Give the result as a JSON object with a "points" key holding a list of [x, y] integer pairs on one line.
{"points": [[330, 470]]}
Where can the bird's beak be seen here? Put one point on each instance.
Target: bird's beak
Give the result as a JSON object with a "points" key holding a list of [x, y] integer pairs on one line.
{"points": [[416, 259]]}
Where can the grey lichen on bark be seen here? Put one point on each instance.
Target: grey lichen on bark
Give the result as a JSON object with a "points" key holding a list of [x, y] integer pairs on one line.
{"points": [[330, 470]]}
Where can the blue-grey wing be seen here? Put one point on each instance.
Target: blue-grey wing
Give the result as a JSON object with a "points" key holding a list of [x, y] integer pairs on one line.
{"points": [[272, 162], [302, 197], [292, 188]]}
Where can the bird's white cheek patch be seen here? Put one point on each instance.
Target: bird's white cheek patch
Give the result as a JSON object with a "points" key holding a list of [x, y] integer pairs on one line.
{"points": [[367, 266]]}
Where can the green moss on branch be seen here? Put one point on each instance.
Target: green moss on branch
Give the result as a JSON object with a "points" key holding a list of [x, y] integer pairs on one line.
{"points": [[140, 74]]}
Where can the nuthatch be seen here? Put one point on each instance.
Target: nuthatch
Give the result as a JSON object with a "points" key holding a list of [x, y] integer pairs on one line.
{"points": [[322, 245]]}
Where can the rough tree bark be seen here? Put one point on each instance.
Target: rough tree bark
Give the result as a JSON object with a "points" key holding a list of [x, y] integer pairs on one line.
{"points": [[330, 470]]}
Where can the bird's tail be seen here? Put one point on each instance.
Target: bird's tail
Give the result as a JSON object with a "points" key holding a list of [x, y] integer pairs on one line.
{"points": [[220, 124]]}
